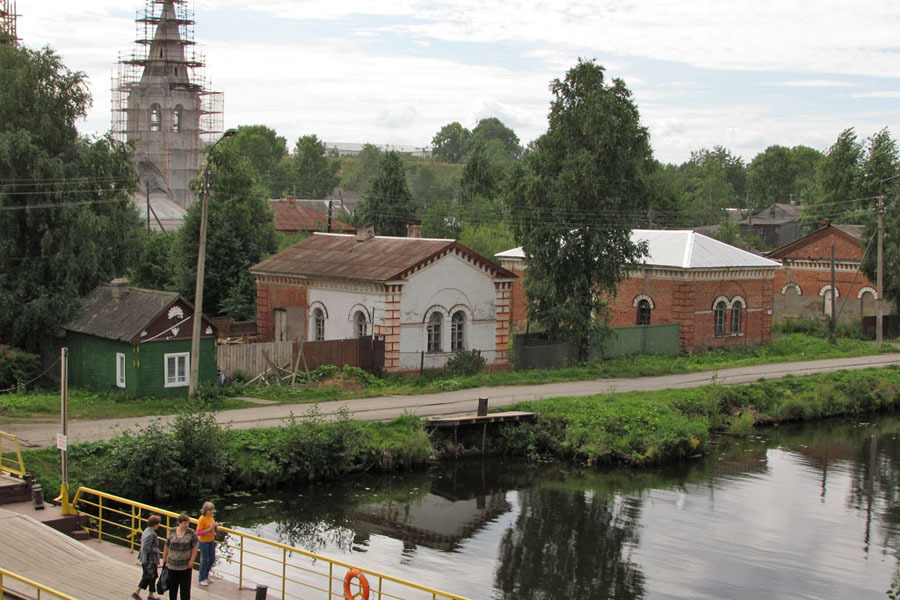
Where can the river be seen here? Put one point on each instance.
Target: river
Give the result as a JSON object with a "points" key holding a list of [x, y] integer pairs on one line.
{"points": [[793, 512]]}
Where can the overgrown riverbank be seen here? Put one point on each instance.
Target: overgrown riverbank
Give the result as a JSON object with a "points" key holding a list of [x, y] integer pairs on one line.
{"points": [[194, 457]]}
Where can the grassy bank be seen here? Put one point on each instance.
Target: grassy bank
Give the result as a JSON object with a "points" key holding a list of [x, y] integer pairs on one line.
{"points": [[330, 384], [194, 457], [653, 427]]}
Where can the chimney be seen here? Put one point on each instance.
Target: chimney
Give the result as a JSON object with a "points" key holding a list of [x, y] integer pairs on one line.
{"points": [[365, 233], [119, 288], [414, 228], [824, 223]]}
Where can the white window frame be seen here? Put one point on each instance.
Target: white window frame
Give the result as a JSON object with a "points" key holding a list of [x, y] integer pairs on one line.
{"points": [[174, 381], [360, 324], [120, 369], [458, 331], [434, 331], [318, 325]]}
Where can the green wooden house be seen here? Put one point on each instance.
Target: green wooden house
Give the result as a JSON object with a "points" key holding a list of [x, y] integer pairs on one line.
{"points": [[137, 341]]}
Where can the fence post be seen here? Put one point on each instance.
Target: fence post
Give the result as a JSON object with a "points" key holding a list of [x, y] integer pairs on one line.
{"points": [[131, 537], [283, 572], [241, 566], [100, 519]]}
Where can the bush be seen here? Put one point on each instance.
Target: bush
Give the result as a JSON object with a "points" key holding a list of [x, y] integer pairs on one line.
{"points": [[466, 362], [17, 367]]}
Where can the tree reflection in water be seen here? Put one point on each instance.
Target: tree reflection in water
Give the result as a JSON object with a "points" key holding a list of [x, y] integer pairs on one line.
{"points": [[569, 544]]}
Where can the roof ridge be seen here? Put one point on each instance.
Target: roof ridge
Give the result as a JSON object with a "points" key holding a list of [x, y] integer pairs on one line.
{"points": [[688, 250]]}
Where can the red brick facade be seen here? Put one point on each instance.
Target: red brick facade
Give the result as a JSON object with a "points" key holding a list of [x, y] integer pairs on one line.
{"points": [[689, 298], [276, 292], [802, 286], [686, 297]]}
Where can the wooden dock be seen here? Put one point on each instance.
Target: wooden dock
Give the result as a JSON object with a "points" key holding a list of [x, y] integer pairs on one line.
{"points": [[87, 570], [499, 417]]}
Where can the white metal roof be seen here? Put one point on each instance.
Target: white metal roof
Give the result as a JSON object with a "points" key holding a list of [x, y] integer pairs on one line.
{"points": [[684, 249]]}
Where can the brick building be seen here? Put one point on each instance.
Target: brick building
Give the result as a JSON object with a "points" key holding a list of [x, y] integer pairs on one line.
{"points": [[292, 216], [720, 296], [802, 286], [429, 298]]}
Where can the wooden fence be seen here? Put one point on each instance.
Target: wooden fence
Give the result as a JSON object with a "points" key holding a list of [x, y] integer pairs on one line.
{"points": [[366, 353], [250, 358]]}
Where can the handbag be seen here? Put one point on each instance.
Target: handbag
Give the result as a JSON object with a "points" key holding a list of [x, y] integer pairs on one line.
{"points": [[162, 584]]}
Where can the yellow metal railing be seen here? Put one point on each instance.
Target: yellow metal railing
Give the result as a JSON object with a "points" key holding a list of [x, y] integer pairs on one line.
{"points": [[288, 572], [9, 444], [30, 587]]}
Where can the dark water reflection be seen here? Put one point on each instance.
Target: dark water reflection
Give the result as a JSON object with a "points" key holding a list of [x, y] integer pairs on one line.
{"points": [[798, 512]]}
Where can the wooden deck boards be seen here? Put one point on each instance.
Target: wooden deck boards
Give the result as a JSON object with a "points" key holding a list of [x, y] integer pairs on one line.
{"points": [[498, 417], [42, 554]]}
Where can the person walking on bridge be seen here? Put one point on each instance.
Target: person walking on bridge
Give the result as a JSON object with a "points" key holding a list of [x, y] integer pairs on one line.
{"points": [[149, 557], [206, 532], [179, 554]]}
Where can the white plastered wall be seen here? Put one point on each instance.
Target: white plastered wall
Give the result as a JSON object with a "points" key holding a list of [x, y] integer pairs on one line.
{"points": [[340, 306], [448, 285]]}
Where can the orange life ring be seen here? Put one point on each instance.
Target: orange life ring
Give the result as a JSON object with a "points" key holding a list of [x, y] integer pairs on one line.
{"points": [[363, 592]]}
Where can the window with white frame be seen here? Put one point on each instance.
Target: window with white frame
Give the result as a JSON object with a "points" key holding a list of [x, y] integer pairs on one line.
{"points": [[435, 324], [458, 331], [362, 326], [120, 370], [643, 312], [155, 117], [319, 323], [176, 367]]}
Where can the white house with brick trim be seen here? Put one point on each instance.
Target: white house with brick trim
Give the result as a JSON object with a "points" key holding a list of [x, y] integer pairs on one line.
{"points": [[428, 297]]}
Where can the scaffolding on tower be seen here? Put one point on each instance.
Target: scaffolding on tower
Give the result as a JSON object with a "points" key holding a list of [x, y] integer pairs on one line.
{"points": [[131, 65], [8, 19]]}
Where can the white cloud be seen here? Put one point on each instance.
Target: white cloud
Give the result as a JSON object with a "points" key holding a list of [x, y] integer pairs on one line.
{"points": [[813, 83], [889, 94]]}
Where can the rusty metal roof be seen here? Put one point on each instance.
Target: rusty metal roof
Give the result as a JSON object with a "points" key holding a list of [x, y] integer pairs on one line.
{"points": [[290, 216], [378, 259]]}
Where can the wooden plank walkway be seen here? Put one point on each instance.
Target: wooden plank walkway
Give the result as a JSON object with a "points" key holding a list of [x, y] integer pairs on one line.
{"points": [[498, 417], [87, 570]]}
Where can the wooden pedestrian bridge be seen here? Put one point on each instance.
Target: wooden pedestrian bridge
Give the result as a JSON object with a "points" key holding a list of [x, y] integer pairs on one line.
{"points": [[87, 549]]}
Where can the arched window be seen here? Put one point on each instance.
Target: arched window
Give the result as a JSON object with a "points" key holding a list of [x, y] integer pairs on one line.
{"points": [[319, 321], [719, 312], [643, 312], [155, 117], [458, 331], [176, 118], [737, 316], [435, 322], [359, 321]]}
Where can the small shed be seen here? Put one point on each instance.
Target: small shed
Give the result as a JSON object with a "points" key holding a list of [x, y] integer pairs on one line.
{"points": [[137, 341]]}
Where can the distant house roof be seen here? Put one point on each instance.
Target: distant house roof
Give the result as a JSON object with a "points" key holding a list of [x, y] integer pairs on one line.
{"points": [[378, 259], [795, 248], [293, 216], [683, 249], [776, 214]]}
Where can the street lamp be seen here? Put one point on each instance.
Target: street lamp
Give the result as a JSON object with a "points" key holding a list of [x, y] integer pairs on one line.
{"points": [[201, 262]]}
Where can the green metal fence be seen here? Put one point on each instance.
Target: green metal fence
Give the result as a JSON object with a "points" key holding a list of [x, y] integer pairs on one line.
{"points": [[534, 351]]}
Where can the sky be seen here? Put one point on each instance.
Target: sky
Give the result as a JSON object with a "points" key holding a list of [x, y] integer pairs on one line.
{"points": [[741, 74]]}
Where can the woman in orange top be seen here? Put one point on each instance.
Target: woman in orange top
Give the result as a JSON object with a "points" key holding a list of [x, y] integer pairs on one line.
{"points": [[206, 532]]}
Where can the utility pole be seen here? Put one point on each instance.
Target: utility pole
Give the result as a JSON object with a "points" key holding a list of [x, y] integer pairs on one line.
{"points": [[201, 268], [329, 216], [879, 311], [832, 334]]}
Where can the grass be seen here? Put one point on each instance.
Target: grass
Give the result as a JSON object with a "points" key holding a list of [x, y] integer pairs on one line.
{"points": [[42, 406], [84, 405], [662, 426]]}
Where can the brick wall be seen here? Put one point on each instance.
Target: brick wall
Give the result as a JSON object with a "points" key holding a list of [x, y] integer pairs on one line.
{"points": [[503, 294], [518, 309], [276, 292], [391, 327]]}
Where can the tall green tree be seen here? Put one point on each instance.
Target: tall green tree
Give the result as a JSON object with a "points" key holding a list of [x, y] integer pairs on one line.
{"points": [[575, 199], [781, 174], [314, 175], [451, 143], [267, 152], [881, 168], [388, 205], [66, 218], [240, 233], [838, 179], [364, 168], [486, 171], [713, 180], [493, 128]]}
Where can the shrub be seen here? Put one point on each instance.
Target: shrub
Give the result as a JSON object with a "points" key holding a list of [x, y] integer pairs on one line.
{"points": [[465, 362], [17, 367]]}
